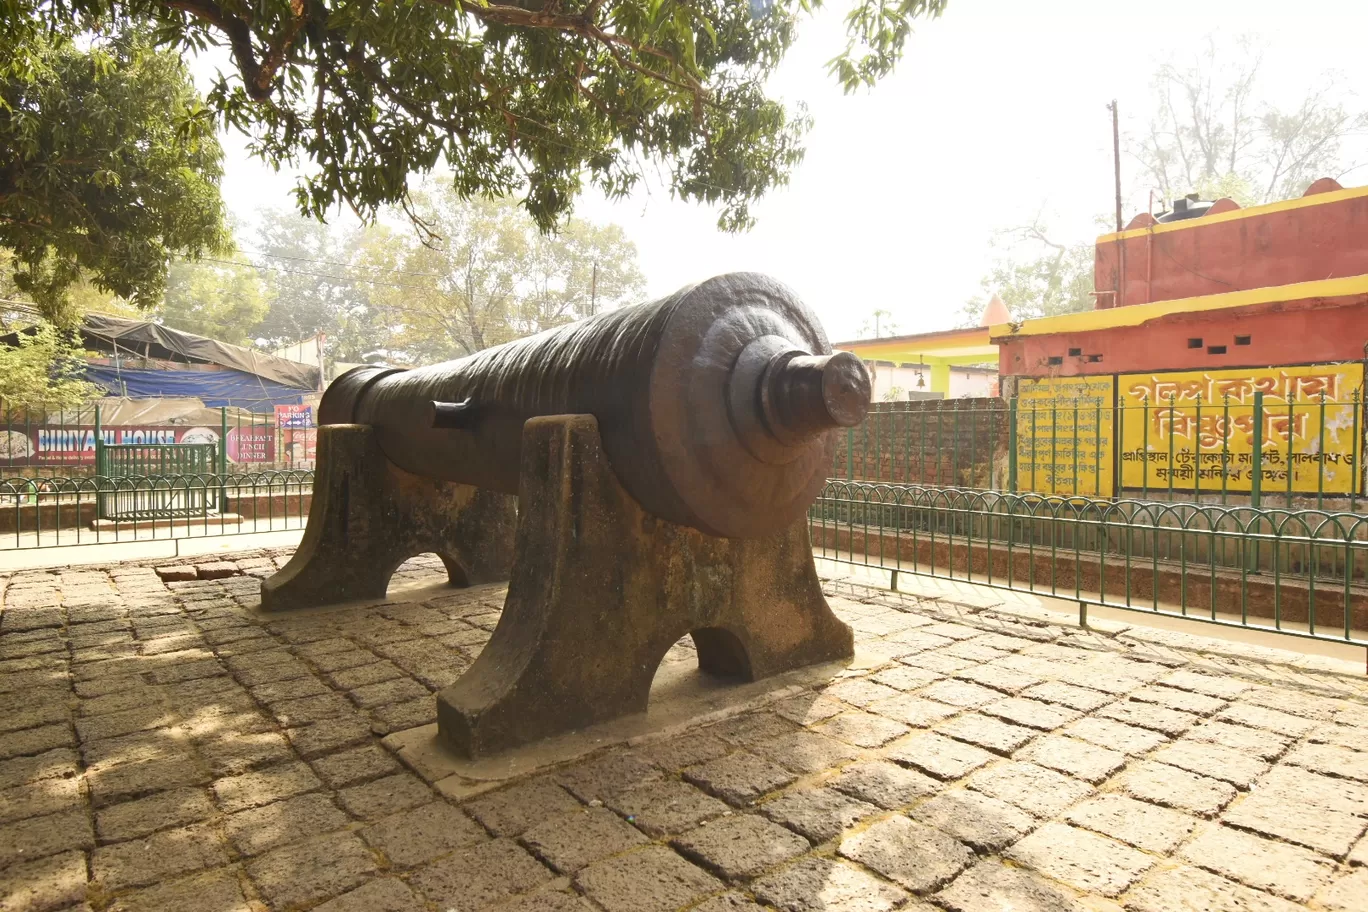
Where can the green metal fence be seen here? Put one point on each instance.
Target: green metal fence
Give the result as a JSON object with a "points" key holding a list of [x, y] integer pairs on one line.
{"points": [[1255, 450], [58, 511], [1300, 572]]}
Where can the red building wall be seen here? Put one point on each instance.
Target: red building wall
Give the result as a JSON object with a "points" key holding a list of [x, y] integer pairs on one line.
{"points": [[1294, 332], [1320, 236]]}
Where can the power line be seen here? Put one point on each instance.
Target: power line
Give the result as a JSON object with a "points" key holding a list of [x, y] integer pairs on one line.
{"points": [[285, 256], [318, 275]]}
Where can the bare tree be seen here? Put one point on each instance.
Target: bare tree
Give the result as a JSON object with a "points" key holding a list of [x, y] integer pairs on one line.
{"points": [[1211, 132]]}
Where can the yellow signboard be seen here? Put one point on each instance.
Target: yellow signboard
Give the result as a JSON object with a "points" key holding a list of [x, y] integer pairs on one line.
{"points": [[1064, 440], [1196, 431]]}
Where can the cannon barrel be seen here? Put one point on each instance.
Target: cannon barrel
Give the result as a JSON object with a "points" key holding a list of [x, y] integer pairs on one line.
{"points": [[715, 404]]}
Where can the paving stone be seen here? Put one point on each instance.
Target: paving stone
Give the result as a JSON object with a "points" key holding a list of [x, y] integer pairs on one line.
{"points": [[1185, 889], [913, 710], [35, 741], [293, 820], [860, 691], [481, 876], [826, 885], [237, 793], [1136, 823], [213, 891], [419, 835], [240, 753], [548, 900], [1115, 736], [911, 854], [323, 737], [884, 784], [1331, 759], [739, 778], [653, 879], [1149, 715], [1042, 792], [1305, 808], [809, 708], [509, 811], [131, 819], [1214, 760], [1175, 788], [806, 752], [177, 574], [308, 710], [384, 895], [322, 868], [862, 729], [987, 732], [1224, 688], [937, 755], [1100, 679], [1032, 713], [1182, 700], [384, 797], [904, 678], [40, 799], [158, 857], [1083, 860], [574, 840], [1073, 757], [606, 776], [1347, 893], [1270, 719], [999, 677], [1284, 870], [665, 807], [397, 691], [111, 725], [675, 754], [1251, 742], [55, 882], [1354, 737], [818, 814], [751, 728], [1294, 701], [359, 764], [986, 823], [960, 693], [991, 886], [293, 689], [36, 837], [740, 847], [125, 781]]}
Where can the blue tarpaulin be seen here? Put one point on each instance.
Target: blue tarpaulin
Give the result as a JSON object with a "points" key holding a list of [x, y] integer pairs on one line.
{"points": [[214, 388]]}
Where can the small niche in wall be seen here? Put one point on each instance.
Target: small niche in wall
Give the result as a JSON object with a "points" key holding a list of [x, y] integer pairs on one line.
{"points": [[1194, 343], [1075, 352], [1094, 359], [1216, 349], [1054, 361], [1243, 340]]}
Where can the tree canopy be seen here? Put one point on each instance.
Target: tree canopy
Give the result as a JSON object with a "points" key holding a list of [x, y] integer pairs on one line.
{"points": [[492, 276], [109, 164], [215, 298], [525, 98]]}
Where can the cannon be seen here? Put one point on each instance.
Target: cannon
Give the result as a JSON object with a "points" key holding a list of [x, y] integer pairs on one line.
{"points": [[663, 458]]}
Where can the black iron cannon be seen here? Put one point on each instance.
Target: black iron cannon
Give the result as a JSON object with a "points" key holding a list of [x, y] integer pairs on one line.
{"points": [[712, 404], [664, 457]]}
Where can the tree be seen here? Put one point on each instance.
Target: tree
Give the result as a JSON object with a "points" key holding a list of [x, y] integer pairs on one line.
{"points": [[215, 299], [44, 367], [492, 276], [519, 97], [109, 164], [1037, 277], [878, 324], [1211, 132]]}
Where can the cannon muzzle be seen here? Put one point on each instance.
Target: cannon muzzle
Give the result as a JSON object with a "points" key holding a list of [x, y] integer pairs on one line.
{"points": [[715, 404]]}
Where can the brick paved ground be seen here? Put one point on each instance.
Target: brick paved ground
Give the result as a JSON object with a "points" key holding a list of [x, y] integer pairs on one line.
{"points": [[162, 748]]}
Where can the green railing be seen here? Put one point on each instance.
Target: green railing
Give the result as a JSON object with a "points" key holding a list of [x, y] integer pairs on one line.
{"points": [[151, 496], [64, 511], [1254, 450], [1301, 572]]}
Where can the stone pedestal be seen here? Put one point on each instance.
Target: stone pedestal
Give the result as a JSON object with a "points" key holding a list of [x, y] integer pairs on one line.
{"points": [[368, 516], [600, 590]]}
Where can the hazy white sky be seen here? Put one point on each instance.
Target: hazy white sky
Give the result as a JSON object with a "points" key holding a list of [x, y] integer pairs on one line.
{"points": [[997, 113]]}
